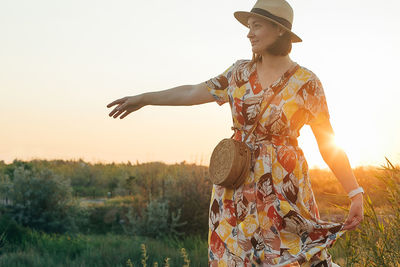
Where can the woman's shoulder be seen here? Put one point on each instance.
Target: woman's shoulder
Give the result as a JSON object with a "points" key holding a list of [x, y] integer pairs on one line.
{"points": [[310, 82], [306, 74], [241, 71], [241, 64], [242, 61]]}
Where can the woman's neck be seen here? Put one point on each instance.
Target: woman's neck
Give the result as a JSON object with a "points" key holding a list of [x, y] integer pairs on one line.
{"points": [[269, 61]]}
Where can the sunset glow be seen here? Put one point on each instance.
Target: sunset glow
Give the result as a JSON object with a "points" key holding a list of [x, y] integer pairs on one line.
{"points": [[63, 62]]}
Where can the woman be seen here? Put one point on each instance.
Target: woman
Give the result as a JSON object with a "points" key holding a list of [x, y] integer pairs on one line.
{"points": [[272, 219]]}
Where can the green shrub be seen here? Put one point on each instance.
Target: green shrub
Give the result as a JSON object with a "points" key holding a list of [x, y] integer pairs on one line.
{"points": [[11, 231], [103, 219], [156, 221], [41, 200]]}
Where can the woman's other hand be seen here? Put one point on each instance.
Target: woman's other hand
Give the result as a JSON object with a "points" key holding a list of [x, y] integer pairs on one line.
{"points": [[356, 213], [338, 162], [127, 104]]}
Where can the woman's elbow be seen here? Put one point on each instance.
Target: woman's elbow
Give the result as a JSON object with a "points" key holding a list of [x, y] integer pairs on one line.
{"points": [[199, 94], [329, 152]]}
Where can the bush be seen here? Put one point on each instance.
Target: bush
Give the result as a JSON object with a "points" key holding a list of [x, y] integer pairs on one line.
{"points": [[157, 221], [41, 200], [103, 219], [10, 231]]}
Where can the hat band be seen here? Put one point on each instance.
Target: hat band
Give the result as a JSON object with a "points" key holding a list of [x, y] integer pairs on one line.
{"points": [[267, 14]]}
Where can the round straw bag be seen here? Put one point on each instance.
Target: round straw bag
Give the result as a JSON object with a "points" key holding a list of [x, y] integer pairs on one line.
{"points": [[230, 163]]}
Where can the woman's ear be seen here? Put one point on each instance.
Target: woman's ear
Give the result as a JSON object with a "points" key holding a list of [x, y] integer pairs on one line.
{"points": [[281, 31]]}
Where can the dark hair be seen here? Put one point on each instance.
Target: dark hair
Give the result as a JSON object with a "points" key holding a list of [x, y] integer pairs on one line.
{"points": [[281, 47]]}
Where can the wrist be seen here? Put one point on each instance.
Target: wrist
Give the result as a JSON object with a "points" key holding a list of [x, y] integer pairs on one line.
{"points": [[144, 99], [356, 193], [357, 197]]}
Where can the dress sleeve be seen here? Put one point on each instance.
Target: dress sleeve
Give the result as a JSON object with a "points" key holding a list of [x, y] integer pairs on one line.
{"points": [[218, 86], [315, 102]]}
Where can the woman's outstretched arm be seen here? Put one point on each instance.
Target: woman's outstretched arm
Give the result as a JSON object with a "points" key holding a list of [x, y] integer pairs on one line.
{"points": [[338, 162], [184, 95]]}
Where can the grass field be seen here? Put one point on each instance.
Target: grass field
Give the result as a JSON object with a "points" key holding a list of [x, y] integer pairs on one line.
{"points": [[375, 243], [39, 249]]}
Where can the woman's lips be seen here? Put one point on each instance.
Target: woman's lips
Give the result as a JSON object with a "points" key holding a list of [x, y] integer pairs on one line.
{"points": [[253, 42]]}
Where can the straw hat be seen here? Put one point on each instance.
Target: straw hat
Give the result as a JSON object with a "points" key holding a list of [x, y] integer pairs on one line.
{"points": [[278, 11]]}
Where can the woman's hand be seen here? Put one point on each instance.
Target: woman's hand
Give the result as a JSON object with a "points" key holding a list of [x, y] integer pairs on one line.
{"points": [[338, 162], [183, 95], [127, 104], [356, 213]]}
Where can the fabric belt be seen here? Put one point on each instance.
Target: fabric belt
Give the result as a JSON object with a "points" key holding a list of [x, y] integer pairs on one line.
{"points": [[268, 138], [278, 140]]}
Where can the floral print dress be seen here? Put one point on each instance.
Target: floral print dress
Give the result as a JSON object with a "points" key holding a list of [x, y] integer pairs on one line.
{"points": [[272, 219]]}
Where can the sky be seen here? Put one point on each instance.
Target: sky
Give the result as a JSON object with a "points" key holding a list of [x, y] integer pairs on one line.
{"points": [[62, 62]]}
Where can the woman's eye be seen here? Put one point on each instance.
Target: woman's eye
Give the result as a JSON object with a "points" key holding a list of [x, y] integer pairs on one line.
{"points": [[256, 25]]}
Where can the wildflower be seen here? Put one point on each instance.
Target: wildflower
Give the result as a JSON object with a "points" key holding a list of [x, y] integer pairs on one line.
{"points": [[185, 257], [144, 255], [166, 262]]}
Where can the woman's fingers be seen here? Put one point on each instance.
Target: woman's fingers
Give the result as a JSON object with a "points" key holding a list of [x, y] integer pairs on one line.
{"points": [[352, 221], [118, 101], [125, 114], [118, 113], [113, 103], [356, 214], [120, 107], [114, 111], [352, 224], [126, 104]]}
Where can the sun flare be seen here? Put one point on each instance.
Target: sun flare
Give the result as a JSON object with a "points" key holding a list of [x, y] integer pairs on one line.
{"points": [[351, 145]]}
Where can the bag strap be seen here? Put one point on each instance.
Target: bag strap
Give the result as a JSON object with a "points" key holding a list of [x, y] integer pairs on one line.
{"points": [[269, 102]]}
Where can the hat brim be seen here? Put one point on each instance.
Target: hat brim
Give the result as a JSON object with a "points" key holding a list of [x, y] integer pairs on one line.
{"points": [[243, 16]]}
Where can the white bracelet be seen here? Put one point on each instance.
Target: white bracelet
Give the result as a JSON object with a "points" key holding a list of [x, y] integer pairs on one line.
{"points": [[356, 191]]}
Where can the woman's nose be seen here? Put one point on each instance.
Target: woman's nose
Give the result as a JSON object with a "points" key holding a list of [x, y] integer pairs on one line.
{"points": [[250, 34]]}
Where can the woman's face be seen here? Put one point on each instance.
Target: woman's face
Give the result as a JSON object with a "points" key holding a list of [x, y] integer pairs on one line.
{"points": [[262, 34]]}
